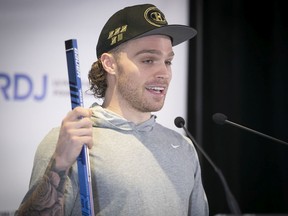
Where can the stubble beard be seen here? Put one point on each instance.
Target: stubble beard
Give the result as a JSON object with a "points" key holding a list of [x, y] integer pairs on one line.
{"points": [[133, 97]]}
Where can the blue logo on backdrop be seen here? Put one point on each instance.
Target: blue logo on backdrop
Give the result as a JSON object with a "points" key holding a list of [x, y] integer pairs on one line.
{"points": [[21, 87]]}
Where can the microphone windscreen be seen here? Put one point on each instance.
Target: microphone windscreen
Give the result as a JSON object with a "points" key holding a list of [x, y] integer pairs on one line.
{"points": [[179, 122], [219, 118]]}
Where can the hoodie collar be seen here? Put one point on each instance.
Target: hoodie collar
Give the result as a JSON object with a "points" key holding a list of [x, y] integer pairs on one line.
{"points": [[107, 119]]}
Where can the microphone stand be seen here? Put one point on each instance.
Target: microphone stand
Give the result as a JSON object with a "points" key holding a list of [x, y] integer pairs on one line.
{"points": [[220, 118], [255, 132], [232, 203]]}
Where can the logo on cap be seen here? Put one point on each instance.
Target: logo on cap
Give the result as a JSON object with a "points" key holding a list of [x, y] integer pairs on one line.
{"points": [[155, 17], [117, 34]]}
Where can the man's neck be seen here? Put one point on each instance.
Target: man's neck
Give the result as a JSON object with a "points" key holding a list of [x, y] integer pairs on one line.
{"points": [[130, 114]]}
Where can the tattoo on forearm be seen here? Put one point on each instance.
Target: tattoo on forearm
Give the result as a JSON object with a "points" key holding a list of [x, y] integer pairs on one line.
{"points": [[47, 197]]}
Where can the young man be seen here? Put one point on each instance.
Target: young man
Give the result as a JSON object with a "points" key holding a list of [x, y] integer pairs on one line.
{"points": [[138, 167]]}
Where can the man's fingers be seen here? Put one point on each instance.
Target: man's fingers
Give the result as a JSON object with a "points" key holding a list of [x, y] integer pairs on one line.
{"points": [[78, 113]]}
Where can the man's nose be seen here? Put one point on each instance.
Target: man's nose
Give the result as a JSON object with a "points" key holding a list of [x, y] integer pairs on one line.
{"points": [[164, 71]]}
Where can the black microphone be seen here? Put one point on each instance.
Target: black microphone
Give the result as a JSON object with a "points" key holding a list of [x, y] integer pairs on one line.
{"points": [[232, 203], [221, 119]]}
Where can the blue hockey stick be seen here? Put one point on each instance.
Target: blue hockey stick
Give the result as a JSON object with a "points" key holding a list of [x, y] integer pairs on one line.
{"points": [[84, 173]]}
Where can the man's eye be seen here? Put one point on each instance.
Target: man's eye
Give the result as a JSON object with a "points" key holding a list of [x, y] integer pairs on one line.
{"points": [[148, 61], [168, 62]]}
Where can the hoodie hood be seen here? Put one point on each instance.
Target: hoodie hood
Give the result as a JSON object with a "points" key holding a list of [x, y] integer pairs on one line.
{"points": [[104, 118]]}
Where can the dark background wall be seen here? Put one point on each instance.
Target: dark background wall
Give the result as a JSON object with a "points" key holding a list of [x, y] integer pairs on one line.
{"points": [[239, 66]]}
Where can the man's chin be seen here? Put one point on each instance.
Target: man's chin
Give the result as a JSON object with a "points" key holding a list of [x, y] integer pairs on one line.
{"points": [[156, 109]]}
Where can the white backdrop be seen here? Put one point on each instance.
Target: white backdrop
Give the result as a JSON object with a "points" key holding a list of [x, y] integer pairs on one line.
{"points": [[34, 94]]}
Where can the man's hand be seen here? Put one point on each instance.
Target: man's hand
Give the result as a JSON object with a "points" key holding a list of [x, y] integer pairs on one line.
{"points": [[76, 130]]}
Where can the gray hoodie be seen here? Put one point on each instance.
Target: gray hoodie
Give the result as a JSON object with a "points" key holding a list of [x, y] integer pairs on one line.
{"points": [[142, 170]]}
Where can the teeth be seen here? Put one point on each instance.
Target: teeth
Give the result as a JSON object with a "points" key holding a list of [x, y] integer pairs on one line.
{"points": [[155, 88]]}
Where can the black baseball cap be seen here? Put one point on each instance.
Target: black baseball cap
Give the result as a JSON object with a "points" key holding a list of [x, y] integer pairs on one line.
{"points": [[138, 21]]}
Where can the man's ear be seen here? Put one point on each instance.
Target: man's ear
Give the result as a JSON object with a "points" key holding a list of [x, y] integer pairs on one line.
{"points": [[108, 63]]}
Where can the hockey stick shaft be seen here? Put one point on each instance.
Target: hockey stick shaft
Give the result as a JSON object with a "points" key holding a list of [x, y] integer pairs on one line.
{"points": [[83, 162]]}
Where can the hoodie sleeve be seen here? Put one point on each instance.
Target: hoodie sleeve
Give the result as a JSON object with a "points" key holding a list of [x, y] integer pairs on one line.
{"points": [[198, 203], [42, 158]]}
